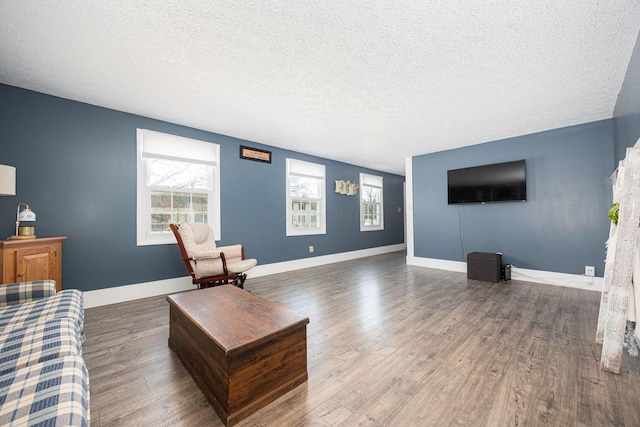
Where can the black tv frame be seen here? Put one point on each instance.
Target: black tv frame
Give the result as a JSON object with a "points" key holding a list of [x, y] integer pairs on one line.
{"points": [[491, 183]]}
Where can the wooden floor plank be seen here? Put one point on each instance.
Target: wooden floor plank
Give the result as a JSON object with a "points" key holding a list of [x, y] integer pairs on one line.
{"points": [[388, 344]]}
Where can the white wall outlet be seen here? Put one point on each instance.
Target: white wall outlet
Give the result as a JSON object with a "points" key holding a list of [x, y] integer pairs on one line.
{"points": [[310, 249], [589, 270]]}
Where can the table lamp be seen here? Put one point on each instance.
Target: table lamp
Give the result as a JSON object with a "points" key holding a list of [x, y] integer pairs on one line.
{"points": [[25, 215]]}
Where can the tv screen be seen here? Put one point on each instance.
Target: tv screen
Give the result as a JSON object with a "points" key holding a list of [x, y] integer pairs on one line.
{"points": [[499, 182]]}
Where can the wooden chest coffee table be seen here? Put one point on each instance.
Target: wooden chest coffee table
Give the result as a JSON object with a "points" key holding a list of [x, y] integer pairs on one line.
{"points": [[242, 351]]}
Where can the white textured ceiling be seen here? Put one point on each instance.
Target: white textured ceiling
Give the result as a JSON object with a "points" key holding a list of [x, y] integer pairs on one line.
{"points": [[364, 82]]}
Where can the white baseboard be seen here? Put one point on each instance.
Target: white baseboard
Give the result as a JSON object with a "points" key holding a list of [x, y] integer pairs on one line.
{"points": [[558, 279], [136, 291], [286, 266], [438, 264], [521, 274]]}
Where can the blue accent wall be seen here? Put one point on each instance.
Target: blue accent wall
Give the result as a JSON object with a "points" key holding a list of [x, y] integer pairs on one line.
{"points": [[561, 227], [626, 116], [76, 168]]}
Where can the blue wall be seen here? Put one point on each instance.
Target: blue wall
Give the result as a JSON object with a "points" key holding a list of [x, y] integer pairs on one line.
{"points": [[626, 116], [561, 227], [76, 168]]}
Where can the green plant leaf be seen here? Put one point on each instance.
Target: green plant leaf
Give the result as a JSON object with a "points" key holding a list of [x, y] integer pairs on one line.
{"points": [[613, 213]]}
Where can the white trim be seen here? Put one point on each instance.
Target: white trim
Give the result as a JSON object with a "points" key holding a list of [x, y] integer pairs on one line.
{"points": [[125, 293], [558, 279], [408, 204], [438, 264], [149, 144], [298, 264], [372, 181], [317, 171], [136, 291], [520, 274]]}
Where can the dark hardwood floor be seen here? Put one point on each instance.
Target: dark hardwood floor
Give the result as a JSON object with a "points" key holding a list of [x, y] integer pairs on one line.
{"points": [[388, 345]]}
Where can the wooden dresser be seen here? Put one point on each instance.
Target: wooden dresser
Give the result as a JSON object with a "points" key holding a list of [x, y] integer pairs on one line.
{"points": [[32, 259]]}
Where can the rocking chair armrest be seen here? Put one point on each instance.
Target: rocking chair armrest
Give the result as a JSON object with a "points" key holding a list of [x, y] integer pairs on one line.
{"points": [[206, 255], [208, 267], [232, 252]]}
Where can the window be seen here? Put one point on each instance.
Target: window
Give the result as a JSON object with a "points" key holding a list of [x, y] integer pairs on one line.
{"points": [[305, 198], [178, 181], [371, 206]]}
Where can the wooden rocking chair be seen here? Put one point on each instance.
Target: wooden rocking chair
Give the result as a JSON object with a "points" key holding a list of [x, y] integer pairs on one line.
{"points": [[209, 265]]}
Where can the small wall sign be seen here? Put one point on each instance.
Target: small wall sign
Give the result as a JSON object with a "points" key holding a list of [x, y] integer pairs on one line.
{"points": [[346, 187], [255, 154]]}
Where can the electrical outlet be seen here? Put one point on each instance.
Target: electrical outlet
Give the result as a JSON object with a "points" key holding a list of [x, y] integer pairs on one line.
{"points": [[589, 270], [310, 249]]}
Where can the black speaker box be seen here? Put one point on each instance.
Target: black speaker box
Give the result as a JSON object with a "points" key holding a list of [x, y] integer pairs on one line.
{"points": [[484, 266]]}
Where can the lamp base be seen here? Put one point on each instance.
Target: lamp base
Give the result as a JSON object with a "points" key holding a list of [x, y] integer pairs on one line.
{"points": [[22, 237]]}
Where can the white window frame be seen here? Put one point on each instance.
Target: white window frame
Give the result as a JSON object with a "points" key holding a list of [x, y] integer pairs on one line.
{"points": [[301, 168], [150, 145], [372, 181]]}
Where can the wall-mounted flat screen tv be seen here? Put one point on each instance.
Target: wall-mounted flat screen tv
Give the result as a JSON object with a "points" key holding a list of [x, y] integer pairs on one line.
{"points": [[498, 182]]}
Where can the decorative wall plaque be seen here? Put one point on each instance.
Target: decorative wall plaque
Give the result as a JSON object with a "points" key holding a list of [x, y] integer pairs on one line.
{"points": [[255, 154]]}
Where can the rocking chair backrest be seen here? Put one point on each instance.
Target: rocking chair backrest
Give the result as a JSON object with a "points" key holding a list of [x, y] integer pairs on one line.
{"points": [[197, 238], [185, 256]]}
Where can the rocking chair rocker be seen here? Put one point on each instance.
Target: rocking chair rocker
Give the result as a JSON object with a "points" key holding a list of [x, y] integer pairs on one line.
{"points": [[209, 265]]}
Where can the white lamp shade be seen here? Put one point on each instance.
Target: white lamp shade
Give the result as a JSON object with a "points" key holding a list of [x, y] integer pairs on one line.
{"points": [[27, 215], [7, 180]]}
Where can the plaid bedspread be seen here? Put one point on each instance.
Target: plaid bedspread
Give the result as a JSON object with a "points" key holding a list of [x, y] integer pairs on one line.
{"points": [[39, 342], [65, 304], [52, 393], [19, 293]]}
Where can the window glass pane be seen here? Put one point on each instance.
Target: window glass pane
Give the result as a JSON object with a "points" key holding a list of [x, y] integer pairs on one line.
{"points": [[160, 200], [170, 173], [375, 215], [200, 217], [370, 194], [301, 186], [376, 195], [371, 214], [200, 203], [186, 207], [160, 222], [181, 202], [182, 217], [305, 214]]}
